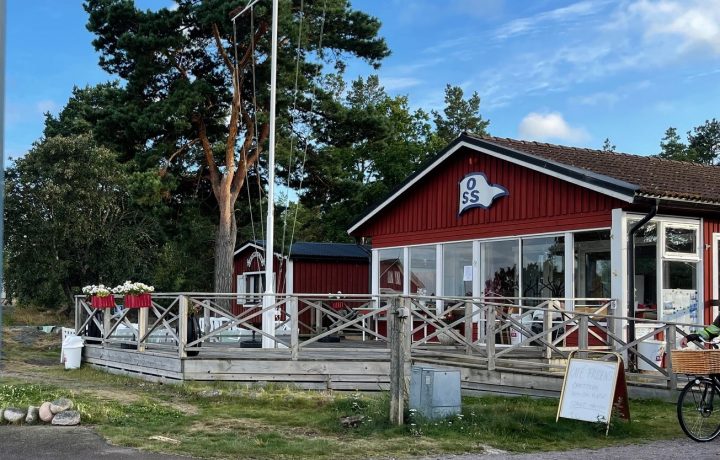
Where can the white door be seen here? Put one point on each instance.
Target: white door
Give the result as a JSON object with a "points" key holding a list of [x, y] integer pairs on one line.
{"points": [[716, 274]]}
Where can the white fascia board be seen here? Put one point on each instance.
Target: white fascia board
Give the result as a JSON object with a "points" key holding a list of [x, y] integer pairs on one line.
{"points": [[620, 196], [248, 245]]}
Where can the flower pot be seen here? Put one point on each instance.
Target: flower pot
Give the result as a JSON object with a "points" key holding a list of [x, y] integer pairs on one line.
{"points": [[107, 301], [138, 300]]}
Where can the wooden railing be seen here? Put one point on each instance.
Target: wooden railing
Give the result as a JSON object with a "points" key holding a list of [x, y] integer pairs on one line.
{"points": [[519, 334]]}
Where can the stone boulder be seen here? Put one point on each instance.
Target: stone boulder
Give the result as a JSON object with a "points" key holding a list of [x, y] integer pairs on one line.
{"points": [[67, 418], [46, 414], [14, 415], [60, 405], [33, 415]]}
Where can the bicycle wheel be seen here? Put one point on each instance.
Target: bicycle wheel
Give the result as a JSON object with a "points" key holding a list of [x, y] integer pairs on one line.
{"points": [[696, 412]]}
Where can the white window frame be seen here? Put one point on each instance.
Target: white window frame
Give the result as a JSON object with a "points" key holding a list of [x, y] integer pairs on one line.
{"points": [[670, 255]]}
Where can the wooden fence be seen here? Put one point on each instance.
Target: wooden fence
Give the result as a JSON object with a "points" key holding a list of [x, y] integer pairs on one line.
{"points": [[494, 334]]}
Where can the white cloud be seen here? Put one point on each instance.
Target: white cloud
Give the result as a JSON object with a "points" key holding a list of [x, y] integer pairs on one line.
{"points": [[392, 84], [572, 12], [552, 125], [696, 23]]}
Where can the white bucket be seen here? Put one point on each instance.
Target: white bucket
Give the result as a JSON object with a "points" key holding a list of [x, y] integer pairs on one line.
{"points": [[516, 336], [72, 351], [652, 350]]}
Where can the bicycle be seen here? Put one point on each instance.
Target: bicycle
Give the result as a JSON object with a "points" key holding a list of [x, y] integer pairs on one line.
{"points": [[696, 410]]}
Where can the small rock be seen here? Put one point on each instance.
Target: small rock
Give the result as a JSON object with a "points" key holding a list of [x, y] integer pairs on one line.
{"points": [[210, 393], [33, 414], [14, 415], [352, 421], [60, 405], [164, 439], [67, 418], [46, 414]]}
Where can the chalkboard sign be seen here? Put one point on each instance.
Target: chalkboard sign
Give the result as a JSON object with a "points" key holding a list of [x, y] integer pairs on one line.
{"points": [[591, 388], [588, 390]]}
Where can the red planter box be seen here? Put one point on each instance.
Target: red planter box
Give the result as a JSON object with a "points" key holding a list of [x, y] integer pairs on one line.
{"points": [[102, 302], [138, 301]]}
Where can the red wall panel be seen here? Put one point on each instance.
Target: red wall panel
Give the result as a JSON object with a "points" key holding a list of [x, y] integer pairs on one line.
{"points": [[709, 227], [537, 203]]}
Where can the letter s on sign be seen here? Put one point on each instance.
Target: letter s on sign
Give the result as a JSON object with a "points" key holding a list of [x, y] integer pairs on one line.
{"points": [[464, 197]]}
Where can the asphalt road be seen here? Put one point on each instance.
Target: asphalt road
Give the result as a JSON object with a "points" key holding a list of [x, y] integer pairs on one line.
{"points": [[82, 443], [46, 442]]}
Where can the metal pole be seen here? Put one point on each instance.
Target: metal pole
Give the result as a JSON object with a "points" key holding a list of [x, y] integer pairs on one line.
{"points": [[268, 317], [3, 21]]}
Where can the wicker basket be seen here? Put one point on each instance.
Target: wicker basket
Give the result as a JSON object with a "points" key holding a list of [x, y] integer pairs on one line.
{"points": [[696, 361]]}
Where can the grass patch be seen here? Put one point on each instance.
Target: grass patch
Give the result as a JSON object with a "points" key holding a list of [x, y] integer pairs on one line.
{"points": [[227, 420]]}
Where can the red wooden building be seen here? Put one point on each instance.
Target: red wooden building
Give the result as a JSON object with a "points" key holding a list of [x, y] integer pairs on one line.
{"points": [[310, 268], [500, 217]]}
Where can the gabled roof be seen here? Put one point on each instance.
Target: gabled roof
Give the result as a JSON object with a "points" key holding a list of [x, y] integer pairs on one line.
{"points": [[306, 250], [302, 250], [620, 175]]}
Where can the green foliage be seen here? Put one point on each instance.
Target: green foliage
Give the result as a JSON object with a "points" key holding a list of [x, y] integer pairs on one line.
{"points": [[182, 106], [68, 221], [608, 146], [459, 115], [703, 144]]}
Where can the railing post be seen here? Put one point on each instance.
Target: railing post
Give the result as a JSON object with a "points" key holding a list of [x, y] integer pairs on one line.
{"points": [[400, 340], [78, 308], [206, 317], [182, 326], [490, 337], [547, 325], [670, 338], [142, 328], [294, 327], [107, 316], [468, 327], [583, 336]]}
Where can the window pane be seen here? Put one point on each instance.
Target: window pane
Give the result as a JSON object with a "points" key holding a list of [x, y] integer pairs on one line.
{"points": [[500, 261], [592, 264], [455, 258], [680, 299], [391, 271], [422, 270], [543, 267], [680, 240], [646, 265]]}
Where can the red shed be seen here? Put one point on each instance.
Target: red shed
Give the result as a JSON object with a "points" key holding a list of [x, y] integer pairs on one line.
{"points": [[310, 268], [500, 217]]}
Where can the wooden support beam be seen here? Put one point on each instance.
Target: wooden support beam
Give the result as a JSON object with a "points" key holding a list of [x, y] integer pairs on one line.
{"points": [[182, 326]]}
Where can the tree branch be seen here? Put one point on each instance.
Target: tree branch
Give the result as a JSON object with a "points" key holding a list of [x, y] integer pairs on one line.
{"points": [[183, 149], [207, 149]]}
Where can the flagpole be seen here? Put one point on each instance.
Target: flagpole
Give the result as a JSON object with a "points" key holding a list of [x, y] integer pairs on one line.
{"points": [[268, 317]]}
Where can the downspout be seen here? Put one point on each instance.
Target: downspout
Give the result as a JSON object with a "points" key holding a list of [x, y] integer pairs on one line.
{"points": [[631, 278]]}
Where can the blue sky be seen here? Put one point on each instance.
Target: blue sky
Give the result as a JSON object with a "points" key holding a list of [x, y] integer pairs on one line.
{"points": [[567, 72]]}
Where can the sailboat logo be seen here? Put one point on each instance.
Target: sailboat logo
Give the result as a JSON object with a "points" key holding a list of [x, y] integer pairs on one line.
{"points": [[477, 192]]}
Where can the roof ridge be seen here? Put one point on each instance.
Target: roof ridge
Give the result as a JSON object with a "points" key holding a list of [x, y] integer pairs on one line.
{"points": [[633, 155]]}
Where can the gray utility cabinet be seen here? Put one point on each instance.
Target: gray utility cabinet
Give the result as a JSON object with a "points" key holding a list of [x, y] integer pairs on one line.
{"points": [[435, 393]]}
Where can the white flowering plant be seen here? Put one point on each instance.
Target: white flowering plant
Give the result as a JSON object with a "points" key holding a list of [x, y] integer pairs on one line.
{"points": [[97, 290], [130, 288]]}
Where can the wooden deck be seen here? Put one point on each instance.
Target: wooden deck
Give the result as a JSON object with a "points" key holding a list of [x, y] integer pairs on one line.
{"points": [[362, 360]]}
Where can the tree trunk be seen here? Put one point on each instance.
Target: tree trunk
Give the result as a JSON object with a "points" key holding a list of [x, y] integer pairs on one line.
{"points": [[225, 245]]}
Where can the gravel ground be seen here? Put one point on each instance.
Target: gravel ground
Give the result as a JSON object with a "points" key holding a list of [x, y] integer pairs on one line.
{"points": [[682, 448], [76, 443]]}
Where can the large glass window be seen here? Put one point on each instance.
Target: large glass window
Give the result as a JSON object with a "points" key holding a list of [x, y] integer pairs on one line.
{"points": [[592, 264], [422, 270], [500, 261], [391, 271], [457, 269], [543, 267], [646, 259]]}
